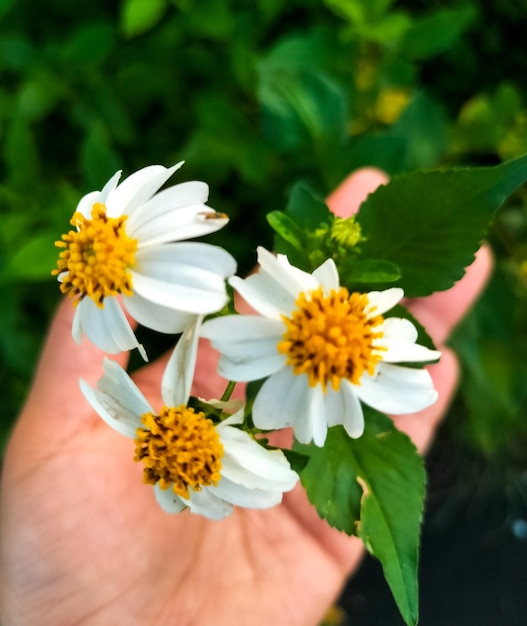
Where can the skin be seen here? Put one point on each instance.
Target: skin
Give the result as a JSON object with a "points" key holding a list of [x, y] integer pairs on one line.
{"points": [[82, 540]]}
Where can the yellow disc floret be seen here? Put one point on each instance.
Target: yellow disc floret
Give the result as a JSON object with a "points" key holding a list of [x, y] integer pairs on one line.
{"points": [[333, 337], [96, 257], [179, 448]]}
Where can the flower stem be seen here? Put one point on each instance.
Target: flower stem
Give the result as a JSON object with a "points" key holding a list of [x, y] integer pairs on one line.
{"points": [[228, 391]]}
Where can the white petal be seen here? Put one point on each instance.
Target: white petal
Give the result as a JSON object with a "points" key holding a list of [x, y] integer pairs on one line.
{"points": [[118, 385], [248, 463], [172, 199], [397, 390], [398, 328], [311, 424], [246, 497], [187, 277], [328, 276], [353, 417], [198, 291], [110, 186], [281, 400], [179, 225], [86, 203], [206, 503], [343, 407], [124, 424], [288, 276], [179, 372], [382, 301], [265, 295], [117, 400], [247, 344], [156, 316], [222, 331], [137, 189], [251, 369], [168, 500], [401, 351], [107, 328]]}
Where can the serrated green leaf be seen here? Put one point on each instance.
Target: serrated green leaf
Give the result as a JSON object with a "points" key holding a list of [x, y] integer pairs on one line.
{"points": [[330, 481], [430, 224], [374, 487]]}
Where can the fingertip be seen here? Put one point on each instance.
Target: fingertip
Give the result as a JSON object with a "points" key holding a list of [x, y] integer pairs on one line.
{"points": [[351, 193]]}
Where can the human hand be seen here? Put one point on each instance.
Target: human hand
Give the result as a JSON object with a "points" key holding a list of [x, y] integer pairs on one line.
{"points": [[83, 541]]}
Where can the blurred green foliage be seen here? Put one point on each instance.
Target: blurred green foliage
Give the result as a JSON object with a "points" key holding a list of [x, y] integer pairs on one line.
{"points": [[257, 97]]}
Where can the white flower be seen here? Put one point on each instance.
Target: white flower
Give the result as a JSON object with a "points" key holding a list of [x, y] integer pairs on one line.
{"points": [[323, 350], [128, 242], [190, 460]]}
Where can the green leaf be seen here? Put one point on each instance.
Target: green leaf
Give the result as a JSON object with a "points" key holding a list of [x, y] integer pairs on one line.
{"points": [[138, 16], [374, 487], [297, 460], [301, 105], [430, 224], [284, 226], [305, 213], [21, 152], [307, 209], [35, 259], [368, 271], [436, 32]]}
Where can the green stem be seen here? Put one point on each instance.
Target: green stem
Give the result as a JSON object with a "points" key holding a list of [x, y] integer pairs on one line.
{"points": [[228, 391]]}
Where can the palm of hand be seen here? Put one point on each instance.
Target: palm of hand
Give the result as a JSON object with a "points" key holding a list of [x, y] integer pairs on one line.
{"points": [[103, 551]]}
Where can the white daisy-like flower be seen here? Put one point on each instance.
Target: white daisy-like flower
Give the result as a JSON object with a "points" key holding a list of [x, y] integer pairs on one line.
{"points": [[128, 242], [191, 461], [323, 350]]}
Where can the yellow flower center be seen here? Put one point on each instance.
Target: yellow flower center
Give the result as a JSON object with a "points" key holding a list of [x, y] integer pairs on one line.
{"points": [[331, 338], [96, 257], [179, 448]]}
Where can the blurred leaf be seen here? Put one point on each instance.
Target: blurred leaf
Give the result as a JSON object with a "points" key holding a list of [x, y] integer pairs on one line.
{"points": [[359, 11], [99, 161], [430, 224], [138, 16], [35, 258], [5, 5], [436, 32], [39, 96], [493, 354], [301, 103], [423, 126], [373, 487], [20, 151], [90, 45]]}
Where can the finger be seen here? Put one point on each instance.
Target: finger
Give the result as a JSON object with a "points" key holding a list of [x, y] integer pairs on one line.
{"points": [[351, 193]]}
